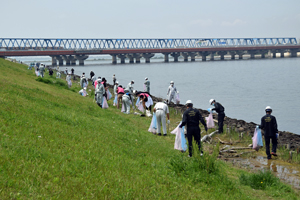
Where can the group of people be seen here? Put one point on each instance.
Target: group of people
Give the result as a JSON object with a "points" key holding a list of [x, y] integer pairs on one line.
{"points": [[191, 119]]}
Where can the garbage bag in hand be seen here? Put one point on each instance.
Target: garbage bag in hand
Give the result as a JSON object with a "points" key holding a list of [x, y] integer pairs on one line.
{"points": [[141, 107], [180, 141], [153, 125], [116, 99], [109, 96], [104, 103], [210, 121], [257, 139]]}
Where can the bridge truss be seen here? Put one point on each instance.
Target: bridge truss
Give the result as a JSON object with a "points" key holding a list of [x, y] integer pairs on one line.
{"points": [[86, 44]]}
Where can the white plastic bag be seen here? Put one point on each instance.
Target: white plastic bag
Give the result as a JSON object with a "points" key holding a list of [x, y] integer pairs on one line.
{"points": [[257, 139], [210, 121], [104, 103]]}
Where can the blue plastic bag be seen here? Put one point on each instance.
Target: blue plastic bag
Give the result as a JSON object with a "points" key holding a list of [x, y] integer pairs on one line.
{"points": [[116, 99], [259, 138], [154, 125], [183, 140], [137, 102]]}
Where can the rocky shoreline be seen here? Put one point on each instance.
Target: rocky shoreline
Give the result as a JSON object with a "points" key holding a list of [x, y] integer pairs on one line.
{"points": [[287, 139]]}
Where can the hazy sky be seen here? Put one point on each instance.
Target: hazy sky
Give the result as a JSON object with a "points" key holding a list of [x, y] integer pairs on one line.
{"points": [[149, 19]]}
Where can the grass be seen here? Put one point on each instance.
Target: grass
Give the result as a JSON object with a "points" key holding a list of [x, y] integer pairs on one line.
{"points": [[56, 144]]}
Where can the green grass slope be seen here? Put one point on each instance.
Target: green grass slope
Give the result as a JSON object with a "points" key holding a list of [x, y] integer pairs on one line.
{"points": [[56, 144]]}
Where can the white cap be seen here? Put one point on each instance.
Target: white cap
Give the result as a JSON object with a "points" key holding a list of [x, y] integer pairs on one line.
{"points": [[210, 101], [132, 81], [268, 108], [188, 102], [117, 82], [134, 91], [99, 80], [146, 78], [172, 82]]}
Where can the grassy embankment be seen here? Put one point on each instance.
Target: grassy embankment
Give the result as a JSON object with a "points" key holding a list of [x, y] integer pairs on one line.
{"points": [[56, 144]]}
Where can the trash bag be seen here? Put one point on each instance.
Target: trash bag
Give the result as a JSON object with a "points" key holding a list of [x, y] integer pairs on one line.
{"points": [[180, 141], [141, 107], [69, 83], [209, 110], [123, 108], [104, 103], [177, 98], [153, 125], [116, 100], [210, 121], [37, 73], [109, 96], [257, 139], [137, 102]]}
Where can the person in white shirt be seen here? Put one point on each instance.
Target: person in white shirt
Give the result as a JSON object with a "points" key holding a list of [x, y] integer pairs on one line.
{"points": [[161, 110], [171, 92]]}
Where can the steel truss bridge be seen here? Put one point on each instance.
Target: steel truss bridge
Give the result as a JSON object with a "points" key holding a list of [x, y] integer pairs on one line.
{"points": [[72, 50], [70, 44]]}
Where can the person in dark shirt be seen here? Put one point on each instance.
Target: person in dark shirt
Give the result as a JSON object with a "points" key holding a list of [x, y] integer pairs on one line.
{"points": [[92, 74], [221, 114], [191, 118], [269, 125]]}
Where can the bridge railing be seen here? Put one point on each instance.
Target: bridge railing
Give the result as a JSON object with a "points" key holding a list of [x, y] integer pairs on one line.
{"points": [[72, 44]]}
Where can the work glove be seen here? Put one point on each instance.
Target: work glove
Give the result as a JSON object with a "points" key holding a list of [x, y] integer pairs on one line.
{"points": [[168, 122], [206, 128], [257, 126]]}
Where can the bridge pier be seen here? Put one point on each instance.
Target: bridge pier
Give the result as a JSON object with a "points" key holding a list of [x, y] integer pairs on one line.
{"points": [[72, 60], [293, 53], [203, 55], [54, 61], [212, 55], [232, 55], [282, 54], [175, 55], [192, 55], [81, 58], [66, 58], [122, 57], [166, 57], [147, 56], [185, 56], [137, 57], [131, 58], [222, 54], [114, 58], [252, 53]]}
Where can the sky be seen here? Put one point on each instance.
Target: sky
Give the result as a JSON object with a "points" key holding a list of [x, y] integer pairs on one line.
{"points": [[149, 19]]}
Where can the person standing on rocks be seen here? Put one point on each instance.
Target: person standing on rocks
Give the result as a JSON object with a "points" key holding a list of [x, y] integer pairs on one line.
{"points": [[269, 125], [221, 114], [114, 79], [171, 92], [191, 118], [147, 85], [161, 110], [92, 74]]}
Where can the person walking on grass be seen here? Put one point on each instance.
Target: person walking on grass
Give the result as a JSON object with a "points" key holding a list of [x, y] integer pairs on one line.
{"points": [[191, 118], [100, 90], [161, 111], [269, 125]]}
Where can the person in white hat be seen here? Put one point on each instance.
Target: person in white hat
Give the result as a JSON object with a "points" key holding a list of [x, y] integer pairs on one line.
{"points": [[100, 91], [269, 125], [116, 93], [221, 114], [147, 85], [171, 92], [83, 92], [161, 111], [191, 118], [42, 70], [68, 79]]}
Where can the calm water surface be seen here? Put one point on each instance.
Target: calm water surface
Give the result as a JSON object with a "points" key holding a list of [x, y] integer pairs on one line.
{"points": [[243, 87]]}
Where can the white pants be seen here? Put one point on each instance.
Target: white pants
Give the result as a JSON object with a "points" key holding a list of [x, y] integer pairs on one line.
{"points": [[171, 97], [99, 98], [161, 118], [126, 101]]}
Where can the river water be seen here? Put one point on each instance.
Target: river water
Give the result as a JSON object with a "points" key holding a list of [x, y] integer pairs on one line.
{"points": [[243, 87]]}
